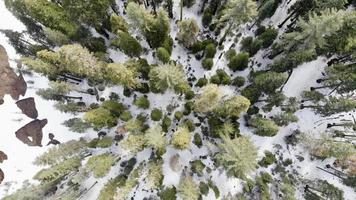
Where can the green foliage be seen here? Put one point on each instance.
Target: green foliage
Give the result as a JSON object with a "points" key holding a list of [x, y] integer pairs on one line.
{"points": [[142, 102], [100, 117], [251, 45], [268, 82], [59, 170], [104, 142], [239, 62], [230, 53], [101, 164], [114, 107], [155, 175], [134, 126], [188, 31], [239, 81], [118, 23], [334, 105], [155, 138], [237, 161], [58, 154], [264, 127], [268, 159], [51, 15], [166, 123], [181, 138], [168, 193], [208, 63], [197, 166], [237, 12], [221, 77], [163, 55], [109, 190], [208, 99], [134, 143], [126, 116], [210, 50], [268, 36], [288, 189], [128, 44], [201, 82], [234, 106], [118, 73], [56, 37], [188, 189], [197, 140], [156, 114], [284, 118], [76, 125], [168, 76]]}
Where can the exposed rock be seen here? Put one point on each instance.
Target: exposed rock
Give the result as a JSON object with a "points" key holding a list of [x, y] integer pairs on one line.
{"points": [[52, 140], [32, 130], [10, 82], [2, 176], [3, 156], [174, 163], [28, 107]]}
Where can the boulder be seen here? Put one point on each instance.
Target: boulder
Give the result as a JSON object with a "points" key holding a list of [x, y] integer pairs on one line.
{"points": [[2, 176], [10, 82], [28, 107], [32, 130], [3, 156]]}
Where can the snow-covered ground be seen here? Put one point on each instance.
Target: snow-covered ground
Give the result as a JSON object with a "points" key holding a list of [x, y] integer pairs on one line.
{"points": [[19, 165]]}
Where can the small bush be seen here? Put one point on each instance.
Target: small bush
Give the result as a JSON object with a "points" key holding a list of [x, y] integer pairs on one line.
{"points": [[178, 115], [239, 62], [239, 81], [210, 50], [230, 54], [201, 82], [268, 37], [268, 159], [220, 78], [163, 55], [197, 140], [166, 123], [156, 114], [129, 45], [208, 63], [142, 102]]}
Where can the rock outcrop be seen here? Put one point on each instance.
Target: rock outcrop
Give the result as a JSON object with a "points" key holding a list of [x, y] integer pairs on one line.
{"points": [[3, 156], [28, 107], [2, 176], [32, 130], [10, 82]]}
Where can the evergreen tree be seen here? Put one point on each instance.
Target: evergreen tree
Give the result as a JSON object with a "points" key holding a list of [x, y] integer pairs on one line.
{"points": [[181, 138], [100, 117], [188, 189], [168, 76], [234, 106], [333, 105], [268, 82], [264, 127], [101, 164], [128, 44], [188, 31], [238, 156], [209, 99], [155, 138], [120, 74]]}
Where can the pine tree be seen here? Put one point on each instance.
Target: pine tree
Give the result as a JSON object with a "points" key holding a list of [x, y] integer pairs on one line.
{"points": [[168, 76], [101, 164], [181, 138], [188, 189], [188, 31], [209, 99], [264, 127], [118, 73], [238, 156], [100, 117], [155, 138], [268, 82], [234, 106], [333, 105]]}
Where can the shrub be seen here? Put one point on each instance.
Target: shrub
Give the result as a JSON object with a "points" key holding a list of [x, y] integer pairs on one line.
{"points": [[100, 164], [126, 116], [105, 142], [114, 107], [142, 102], [197, 167], [178, 115], [197, 140], [221, 77], [189, 95], [207, 17], [163, 55], [268, 37], [129, 45], [268, 159], [201, 82], [166, 123], [239, 62], [264, 127], [100, 118], [239, 81], [156, 114], [181, 138], [251, 45], [168, 44], [208, 63], [210, 50], [230, 54], [252, 93]]}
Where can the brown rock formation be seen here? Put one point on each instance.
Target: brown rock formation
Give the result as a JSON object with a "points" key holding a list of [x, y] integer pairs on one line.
{"points": [[3, 156], [28, 107], [10, 82], [2, 176], [32, 130]]}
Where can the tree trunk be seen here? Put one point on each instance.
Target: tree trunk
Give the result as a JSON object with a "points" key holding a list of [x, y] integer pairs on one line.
{"points": [[154, 7], [181, 10], [227, 31]]}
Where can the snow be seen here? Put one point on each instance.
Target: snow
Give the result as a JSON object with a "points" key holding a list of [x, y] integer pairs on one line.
{"points": [[19, 166]]}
